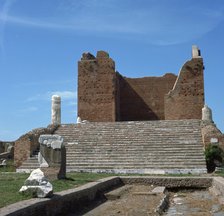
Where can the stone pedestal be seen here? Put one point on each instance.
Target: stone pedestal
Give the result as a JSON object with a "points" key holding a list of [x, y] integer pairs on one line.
{"points": [[53, 154], [56, 110]]}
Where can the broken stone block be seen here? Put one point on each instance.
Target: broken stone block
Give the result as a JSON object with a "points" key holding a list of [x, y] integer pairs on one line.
{"points": [[159, 190], [37, 185], [53, 154]]}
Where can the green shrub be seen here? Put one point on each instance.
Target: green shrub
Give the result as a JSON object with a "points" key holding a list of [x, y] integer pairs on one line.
{"points": [[214, 156]]}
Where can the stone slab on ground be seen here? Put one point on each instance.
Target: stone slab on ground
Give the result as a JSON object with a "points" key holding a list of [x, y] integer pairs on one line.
{"points": [[160, 189]]}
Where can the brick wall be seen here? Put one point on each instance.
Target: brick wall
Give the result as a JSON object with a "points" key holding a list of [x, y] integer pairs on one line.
{"points": [[28, 143], [104, 95], [186, 100], [210, 131], [143, 98], [96, 87]]}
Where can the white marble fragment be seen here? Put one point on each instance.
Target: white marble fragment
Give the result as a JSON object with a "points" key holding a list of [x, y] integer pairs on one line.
{"points": [[37, 185], [42, 161], [56, 110]]}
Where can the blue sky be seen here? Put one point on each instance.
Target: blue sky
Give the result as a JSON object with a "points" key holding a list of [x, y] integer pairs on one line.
{"points": [[42, 40]]}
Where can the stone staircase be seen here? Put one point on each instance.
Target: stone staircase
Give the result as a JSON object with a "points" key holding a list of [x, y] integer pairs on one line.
{"points": [[29, 165], [135, 147], [146, 147]]}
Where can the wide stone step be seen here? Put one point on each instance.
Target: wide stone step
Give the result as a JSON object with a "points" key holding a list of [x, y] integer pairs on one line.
{"points": [[131, 148], [135, 157], [130, 145], [128, 156], [113, 167], [129, 152]]}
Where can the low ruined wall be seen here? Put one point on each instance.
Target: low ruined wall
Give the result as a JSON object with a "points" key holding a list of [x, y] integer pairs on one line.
{"points": [[6, 150], [5, 145], [211, 134], [63, 202], [170, 182], [28, 143]]}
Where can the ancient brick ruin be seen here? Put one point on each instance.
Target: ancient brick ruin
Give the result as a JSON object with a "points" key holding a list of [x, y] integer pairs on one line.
{"points": [[119, 135], [106, 95]]}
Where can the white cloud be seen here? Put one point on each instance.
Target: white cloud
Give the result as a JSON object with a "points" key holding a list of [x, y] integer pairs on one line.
{"points": [[65, 95], [156, 22], [29, 109], [47, 82], [4, 18]]}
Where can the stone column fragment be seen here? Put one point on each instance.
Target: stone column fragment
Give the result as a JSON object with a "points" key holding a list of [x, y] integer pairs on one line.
{"points": [[56, 110], [206, 114]]}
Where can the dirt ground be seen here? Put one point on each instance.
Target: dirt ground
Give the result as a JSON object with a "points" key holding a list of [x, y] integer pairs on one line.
{"points": [[133, 202], [138, 200]]}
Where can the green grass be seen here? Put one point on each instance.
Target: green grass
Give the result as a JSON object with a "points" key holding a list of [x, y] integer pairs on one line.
{"points": [[10, 183], [76, 179]]}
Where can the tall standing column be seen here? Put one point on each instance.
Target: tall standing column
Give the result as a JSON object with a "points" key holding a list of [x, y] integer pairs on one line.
{"points": [[56, 110]]}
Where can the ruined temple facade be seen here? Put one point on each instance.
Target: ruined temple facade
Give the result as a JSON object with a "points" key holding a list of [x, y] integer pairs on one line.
{"points": [[106, 95]]}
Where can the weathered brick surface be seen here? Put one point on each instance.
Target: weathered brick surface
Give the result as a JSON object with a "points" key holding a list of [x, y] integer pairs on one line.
{"points": [[28, 143], [143, 98], [210, 131], [96, 88], [104, 95], [186, 100]]}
